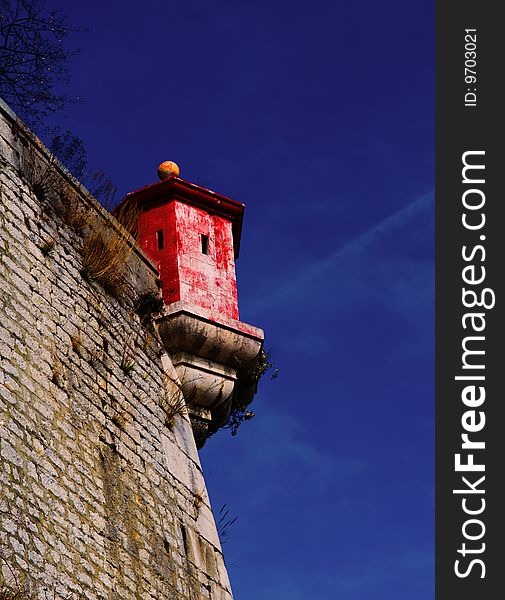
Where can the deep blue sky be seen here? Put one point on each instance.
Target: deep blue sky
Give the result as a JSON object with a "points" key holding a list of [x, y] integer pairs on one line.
{"points": [[319, 117]]}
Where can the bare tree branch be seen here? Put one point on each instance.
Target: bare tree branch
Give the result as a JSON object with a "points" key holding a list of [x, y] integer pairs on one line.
{"points": [[33, 58]]}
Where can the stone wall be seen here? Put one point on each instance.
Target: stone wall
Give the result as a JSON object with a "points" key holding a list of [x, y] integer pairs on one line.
{"points": [[101, 495]]}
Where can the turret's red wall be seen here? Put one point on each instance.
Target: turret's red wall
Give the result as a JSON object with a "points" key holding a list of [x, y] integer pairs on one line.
{"points": [[206, 280], [151, 221]]}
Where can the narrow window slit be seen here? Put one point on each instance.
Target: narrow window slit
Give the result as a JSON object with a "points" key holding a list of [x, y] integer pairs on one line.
{"points": [[159, 239], [205, 244]]}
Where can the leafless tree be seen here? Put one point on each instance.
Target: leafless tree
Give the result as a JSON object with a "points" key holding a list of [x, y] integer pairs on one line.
{"points": [[33, 58]]}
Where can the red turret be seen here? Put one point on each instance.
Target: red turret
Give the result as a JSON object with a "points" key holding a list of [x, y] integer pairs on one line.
{"points": [[194, 236]]}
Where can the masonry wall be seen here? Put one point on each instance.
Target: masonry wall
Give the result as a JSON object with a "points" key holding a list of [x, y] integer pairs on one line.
{"points": [[100, 497]]}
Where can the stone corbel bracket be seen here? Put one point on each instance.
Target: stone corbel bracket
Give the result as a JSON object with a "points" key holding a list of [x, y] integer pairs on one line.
{"points": [[213, 360]]}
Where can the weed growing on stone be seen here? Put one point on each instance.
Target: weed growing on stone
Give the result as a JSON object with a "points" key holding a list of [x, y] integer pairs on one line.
{"points": [[262, 366], [57, 373], [239, 415], [68, 206], [103, 260], [102, 188], [148, 305], [240, 412], [105, 251], [77, 346], [172, 401], [47, 248], [224, 524], [127, 366], [96, 357], [52, 188], [127, 362], [119, 421], [198, 498], [40, 173]]}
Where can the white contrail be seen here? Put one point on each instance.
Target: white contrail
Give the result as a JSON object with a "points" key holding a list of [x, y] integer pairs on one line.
{"points": [[395, 220]]}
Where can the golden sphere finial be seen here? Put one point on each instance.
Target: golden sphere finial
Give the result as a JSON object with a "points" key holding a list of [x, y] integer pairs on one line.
{"points": [[168, 169]]}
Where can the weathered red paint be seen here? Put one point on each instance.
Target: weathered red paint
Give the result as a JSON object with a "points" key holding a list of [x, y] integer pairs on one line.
{"points": [[184, 212]]}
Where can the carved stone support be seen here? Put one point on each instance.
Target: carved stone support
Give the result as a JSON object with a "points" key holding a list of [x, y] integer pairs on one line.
{"points": [[210, 358]]}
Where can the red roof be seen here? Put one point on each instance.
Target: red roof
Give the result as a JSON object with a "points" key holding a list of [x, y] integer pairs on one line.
{"points": [[175, 188]]}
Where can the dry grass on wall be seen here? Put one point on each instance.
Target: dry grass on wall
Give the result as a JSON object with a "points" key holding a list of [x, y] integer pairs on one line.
{"points": [[172, 401], [103, 260], [105, 248], [105, 251], [39, 172], [52, 188], [68, 206]]}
